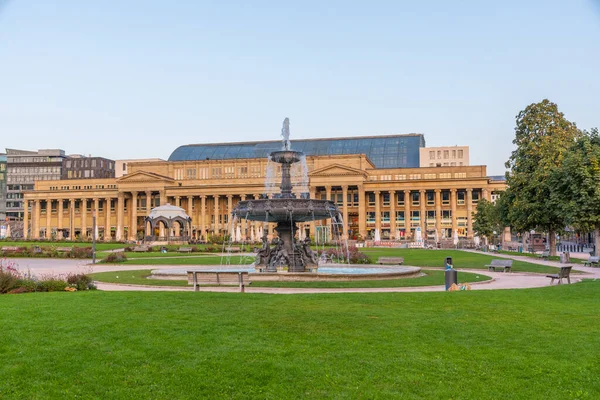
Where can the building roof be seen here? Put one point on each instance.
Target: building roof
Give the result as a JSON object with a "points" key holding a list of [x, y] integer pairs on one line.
{"points": [[391, 151], [168, 211], [497, 178]]}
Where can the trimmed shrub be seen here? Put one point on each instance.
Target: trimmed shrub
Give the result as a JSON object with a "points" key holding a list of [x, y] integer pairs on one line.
{"points": [[52, 285], [116, 257], [81, 281], [353, 255]]}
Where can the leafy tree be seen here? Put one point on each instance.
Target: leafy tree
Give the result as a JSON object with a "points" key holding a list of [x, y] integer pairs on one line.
{"points": [[486, 220], [543, 137], [577, 185]]}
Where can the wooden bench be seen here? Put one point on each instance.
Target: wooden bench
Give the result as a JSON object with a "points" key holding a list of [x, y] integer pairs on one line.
{"points": [[565, 272], [504, 265], [217, 278], [64, 249], [141, 249], [9, 248], [545, 254], [185, 250], [390, 260], [593, 261]]}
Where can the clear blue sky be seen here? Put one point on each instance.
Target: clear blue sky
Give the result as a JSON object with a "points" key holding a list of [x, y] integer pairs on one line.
{"points": [[136, 79]]}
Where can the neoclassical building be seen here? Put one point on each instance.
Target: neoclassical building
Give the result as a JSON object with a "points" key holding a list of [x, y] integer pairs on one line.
{"points": [[394, 201]]}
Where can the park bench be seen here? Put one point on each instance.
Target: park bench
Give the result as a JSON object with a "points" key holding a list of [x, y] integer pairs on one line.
{"points": [[544, 255], [9, 248], [141, 249], [185, 250], [64, 249], [233, 249], [504, 265], [390, 260], [565, 272], [593, 261], [218, 278]]}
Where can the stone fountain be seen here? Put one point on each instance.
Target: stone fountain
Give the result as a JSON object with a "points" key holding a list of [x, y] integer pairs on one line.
{"points": [[287, 253]]}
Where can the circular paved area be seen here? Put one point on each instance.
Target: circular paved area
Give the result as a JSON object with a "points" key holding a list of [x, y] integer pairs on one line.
{"points": [[500, 280]]}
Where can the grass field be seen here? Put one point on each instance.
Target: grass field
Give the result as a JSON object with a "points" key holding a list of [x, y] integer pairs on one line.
{"points": [[433, 277], [507, 344]]}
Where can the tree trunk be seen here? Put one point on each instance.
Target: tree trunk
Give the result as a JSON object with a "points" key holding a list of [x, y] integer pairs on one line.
{"points": [[552, 242], [597, 240]]}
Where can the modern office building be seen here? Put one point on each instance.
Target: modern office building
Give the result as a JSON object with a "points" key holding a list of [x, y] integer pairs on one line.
{"points": [[447, 156], [393, 196], [23, 169], [80, 167]]}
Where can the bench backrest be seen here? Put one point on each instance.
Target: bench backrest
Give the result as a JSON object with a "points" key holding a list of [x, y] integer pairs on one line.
{"points": [[594, 259], [564, 272], [390, 259], [502, 263]]}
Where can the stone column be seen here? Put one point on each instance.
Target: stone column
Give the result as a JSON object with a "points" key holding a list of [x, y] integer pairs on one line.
{"points": [[133, 224], [107, 232], [120, 211], [438, 212], [328, 196], [393, 214], [95, 215], [71, 219], [83, 218], [148, 202], [423, 212], [377, 211], [244, 222], [217, 226], [485, 194], [469, 211], [407, 218], [453, 206], [163, 197], [35, 225], [48, 218], [178, 201], [203, 216], [190, 210], [362, 212], [345, 211], [59, 219], [313, 195], [26, 219]]}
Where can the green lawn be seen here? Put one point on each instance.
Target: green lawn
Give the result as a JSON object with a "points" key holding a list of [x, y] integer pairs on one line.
{"points": [[157, 254], [190, 260], [506, 344], [460, 259], [432, 277]]}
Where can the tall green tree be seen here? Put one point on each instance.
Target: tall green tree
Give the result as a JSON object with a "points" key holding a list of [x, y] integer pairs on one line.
{"points": [[577, 185], [543, 137], [486, 220]]}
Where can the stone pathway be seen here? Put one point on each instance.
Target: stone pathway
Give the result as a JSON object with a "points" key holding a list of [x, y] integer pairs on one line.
{"points": [[500, 280]]}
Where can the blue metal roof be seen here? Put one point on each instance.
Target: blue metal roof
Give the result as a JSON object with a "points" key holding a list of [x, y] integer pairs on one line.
{"points": [[394, 151]]}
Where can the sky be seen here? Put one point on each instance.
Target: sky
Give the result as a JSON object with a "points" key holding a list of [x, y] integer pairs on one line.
{"points": [[137, 79]]}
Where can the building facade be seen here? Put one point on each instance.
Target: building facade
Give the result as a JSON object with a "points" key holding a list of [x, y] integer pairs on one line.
{"points": [[121, 165], [80, 167], [447, 156], [395, 202], [2, 187], [23, 169]]}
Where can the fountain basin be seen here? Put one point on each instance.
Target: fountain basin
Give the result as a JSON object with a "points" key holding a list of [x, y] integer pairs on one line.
{"points": [[327, 273], [287, 209]]}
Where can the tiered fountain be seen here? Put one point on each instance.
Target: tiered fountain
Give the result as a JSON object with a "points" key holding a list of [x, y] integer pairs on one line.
{"points": [[288, 254]]}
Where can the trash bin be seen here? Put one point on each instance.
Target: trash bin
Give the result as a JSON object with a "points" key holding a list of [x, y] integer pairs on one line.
{"points": [[451, 277]]}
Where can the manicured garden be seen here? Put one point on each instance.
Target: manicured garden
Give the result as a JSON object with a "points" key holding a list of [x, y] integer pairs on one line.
{"points": [[431, 278], [508, 344]]}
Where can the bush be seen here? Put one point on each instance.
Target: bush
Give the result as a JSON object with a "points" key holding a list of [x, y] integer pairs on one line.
{"points": [[24, 286], [116, 257], [81, 281], [9, 275], [51, 285], [341, 255], [81, 252]]}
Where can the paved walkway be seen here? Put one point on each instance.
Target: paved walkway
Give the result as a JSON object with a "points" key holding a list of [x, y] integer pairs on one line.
{"points": [[500, 280]]}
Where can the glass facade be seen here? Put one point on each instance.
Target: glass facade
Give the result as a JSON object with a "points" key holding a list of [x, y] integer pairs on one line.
{"points": [[396, 151]]}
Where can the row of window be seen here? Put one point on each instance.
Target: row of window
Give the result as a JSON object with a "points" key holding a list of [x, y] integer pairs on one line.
{"points": [[415, 215], [456, 153], [86, 163], [403, 177], [415, 198], [34, 170], [29, 178]]}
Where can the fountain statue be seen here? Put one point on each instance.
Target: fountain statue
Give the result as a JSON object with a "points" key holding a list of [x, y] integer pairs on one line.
{"points": [[288, 254]]}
